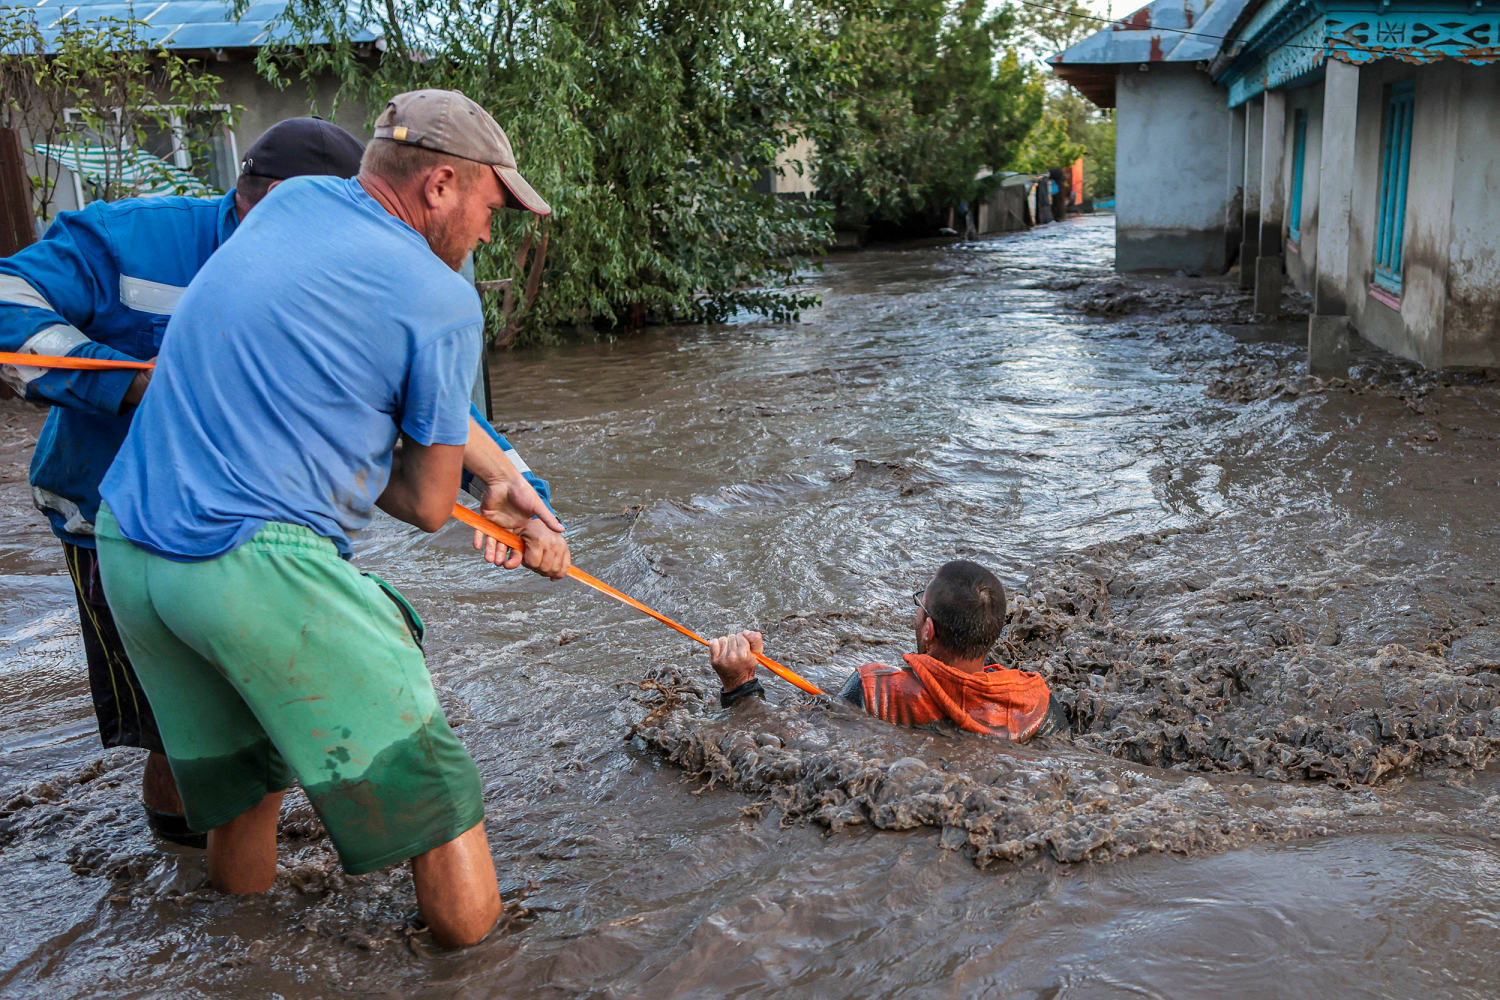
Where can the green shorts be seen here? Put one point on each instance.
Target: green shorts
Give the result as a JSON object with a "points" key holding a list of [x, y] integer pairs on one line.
{"points": [[279, 661]]}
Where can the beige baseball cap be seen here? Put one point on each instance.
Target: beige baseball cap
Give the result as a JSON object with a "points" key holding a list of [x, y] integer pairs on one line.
{"points": [[446, 121]]}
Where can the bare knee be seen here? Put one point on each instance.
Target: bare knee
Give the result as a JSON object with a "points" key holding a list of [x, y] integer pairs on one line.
{"points": [[454, 929], [456, 890]]}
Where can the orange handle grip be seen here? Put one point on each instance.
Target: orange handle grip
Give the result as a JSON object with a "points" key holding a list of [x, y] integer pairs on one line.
{"points": [[510, 538]]}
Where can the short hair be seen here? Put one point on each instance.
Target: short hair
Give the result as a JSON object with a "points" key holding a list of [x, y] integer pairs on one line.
{"points": [[966, 603], [399, 162], [251, 189]]}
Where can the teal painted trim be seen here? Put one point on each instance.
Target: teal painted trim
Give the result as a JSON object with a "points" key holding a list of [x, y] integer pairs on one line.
{"points": [[1299, 162], [1298, 54], [1289, 39], [1415, 35], [1395, 165]]}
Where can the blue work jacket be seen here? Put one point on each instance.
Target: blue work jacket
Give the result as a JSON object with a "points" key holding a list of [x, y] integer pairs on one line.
{"points": [[103, 283]]}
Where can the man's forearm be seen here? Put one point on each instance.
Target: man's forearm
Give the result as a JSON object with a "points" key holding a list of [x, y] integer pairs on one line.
{"points": [[486, 459]]}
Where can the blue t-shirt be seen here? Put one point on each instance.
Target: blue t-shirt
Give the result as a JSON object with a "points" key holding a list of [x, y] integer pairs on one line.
{"points": [[318, 331]]}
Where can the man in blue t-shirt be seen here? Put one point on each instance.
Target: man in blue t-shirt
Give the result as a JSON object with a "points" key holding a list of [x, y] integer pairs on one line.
{"points": [[317, 367]]}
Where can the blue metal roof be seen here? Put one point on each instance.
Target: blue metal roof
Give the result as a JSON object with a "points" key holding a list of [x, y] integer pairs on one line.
{"points": [[175, 24], [1163, 31]]}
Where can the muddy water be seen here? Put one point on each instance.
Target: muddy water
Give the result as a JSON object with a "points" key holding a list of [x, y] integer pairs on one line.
{"points": [[1270, 604]]}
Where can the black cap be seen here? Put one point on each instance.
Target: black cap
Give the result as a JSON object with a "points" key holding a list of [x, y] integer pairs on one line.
{"points": [[300, 146]]}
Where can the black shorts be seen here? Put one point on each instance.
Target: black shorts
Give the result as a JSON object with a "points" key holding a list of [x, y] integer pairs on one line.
{"points": [[125, 718]]}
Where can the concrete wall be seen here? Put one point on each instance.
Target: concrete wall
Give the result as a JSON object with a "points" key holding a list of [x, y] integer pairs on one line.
{"points": [[1172, 143], [264, 105], [1302, 255], [1413, 326], [794, 168], [1472, 316]]}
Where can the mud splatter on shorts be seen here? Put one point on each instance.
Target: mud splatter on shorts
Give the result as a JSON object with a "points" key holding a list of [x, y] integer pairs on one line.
{"points": [[279, 661]]}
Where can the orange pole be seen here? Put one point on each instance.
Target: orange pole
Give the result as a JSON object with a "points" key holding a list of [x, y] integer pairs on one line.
{"points": [[504, 537], [460, 513], [77, 364]]}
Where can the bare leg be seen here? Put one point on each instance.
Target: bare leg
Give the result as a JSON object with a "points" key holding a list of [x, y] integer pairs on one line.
{"points": [[158, 787], [456, 890], [242, 852]]}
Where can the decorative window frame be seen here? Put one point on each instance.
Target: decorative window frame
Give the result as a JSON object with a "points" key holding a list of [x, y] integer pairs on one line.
{"points": [[1395, 168], [1299, 167]]}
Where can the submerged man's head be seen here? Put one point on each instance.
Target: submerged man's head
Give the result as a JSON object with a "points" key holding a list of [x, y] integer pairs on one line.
{"points": [[961, 612]]}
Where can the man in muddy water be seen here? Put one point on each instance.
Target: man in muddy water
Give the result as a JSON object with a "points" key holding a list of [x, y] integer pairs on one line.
{"points": [[960, 615], [103, 283], [318, 366]]}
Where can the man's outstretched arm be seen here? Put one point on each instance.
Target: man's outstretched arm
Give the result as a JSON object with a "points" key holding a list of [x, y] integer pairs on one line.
{"points": [[733, 659]]}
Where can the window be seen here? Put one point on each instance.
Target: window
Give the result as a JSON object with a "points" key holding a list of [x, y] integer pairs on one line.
{"points": [[1299, 161], [194, 153], [1395, 158]]}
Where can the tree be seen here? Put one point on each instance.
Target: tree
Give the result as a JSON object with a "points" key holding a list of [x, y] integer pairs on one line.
{"points": [[925, 95], [1071, 127], [94, 88], [645, 123]]}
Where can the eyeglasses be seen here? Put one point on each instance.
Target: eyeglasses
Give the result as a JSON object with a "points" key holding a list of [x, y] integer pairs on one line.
{"points": [[917, 600]]}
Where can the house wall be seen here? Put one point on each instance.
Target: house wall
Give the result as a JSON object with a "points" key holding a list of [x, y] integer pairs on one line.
{"points": [[264, 105], [1301, 257], [1377, 321], [794, 168], [1472, 314], [1172, 143]]}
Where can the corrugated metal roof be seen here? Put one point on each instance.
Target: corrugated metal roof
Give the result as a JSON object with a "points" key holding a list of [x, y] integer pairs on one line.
{"points": [[1165, 31], [175, 24]]}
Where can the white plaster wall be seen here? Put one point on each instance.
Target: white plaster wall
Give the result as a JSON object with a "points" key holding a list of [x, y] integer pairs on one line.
{"points": [[1472, 318], [1375, 320], [1172, 143]]}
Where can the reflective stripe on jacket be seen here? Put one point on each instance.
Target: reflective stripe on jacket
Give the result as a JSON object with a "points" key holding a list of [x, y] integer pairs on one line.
{"points": [[102, 283]]}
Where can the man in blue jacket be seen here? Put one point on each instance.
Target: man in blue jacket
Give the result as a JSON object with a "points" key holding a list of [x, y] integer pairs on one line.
{"points": [[102, 283]]}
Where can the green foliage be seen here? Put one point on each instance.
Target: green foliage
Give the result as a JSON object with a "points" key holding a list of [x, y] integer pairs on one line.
{"points": [[1099, 160], [1069, 128], [923, 95], [645, 123], [1049, 26], [97, 86]]}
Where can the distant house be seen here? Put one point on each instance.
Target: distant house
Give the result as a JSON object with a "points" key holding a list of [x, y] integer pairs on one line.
{"points": [[201, 30], [1365, 140], [1176, 203]]}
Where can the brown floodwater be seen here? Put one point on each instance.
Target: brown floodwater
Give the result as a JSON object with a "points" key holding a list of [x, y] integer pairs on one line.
{"points": [[1270, 604]]}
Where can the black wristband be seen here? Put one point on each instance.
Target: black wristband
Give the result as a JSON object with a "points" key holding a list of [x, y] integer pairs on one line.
{"points": [[745, 690]]}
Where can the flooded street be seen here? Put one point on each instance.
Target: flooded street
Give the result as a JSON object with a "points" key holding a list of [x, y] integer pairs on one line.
{"points": [[1269, 603]]}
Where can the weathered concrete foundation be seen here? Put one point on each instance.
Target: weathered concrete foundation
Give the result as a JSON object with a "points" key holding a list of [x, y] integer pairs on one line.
{"points": [[1330, 342], [1268, 286], [1249, 254], [1197, 253]]}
